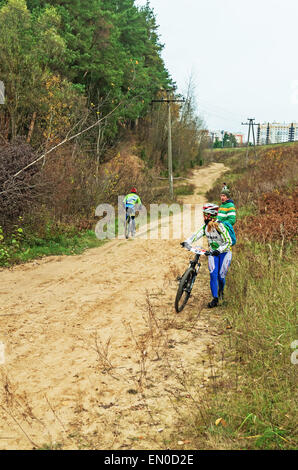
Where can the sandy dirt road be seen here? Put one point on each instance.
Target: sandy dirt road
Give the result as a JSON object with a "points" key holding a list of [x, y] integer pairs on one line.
{"points": [[94, 351]]}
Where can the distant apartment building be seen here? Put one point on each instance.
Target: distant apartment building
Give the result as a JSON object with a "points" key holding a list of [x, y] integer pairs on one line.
{"points": [[276, 132]]}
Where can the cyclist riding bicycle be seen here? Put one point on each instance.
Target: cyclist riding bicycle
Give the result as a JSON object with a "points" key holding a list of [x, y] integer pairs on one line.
{"points": [[131, 202], [220, 243]]}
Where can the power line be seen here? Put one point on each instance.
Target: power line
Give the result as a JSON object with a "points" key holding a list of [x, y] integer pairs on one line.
{"points": [[220, 108], [226, 119]]}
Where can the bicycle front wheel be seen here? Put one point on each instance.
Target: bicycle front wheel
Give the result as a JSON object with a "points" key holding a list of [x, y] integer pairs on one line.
{"points": [[184, 290]]}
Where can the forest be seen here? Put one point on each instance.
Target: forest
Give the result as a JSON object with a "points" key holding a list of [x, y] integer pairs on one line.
{"points": [[78, 125]]}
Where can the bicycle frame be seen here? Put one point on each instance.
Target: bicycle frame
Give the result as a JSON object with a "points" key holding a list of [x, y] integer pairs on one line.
{"points": [[195, 262], [195, 265]]}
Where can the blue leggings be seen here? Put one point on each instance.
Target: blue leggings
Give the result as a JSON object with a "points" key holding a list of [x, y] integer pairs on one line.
{"points": [[218, 268]]}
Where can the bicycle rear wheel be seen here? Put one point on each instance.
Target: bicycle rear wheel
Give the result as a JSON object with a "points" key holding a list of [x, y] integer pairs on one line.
{"points": [[184, 290], [127, 226]]}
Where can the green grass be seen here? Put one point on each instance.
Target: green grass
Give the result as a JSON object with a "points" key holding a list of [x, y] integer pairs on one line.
{"points": [[228, 149], [184, 190], [245, 211], [60, 244], [258, 147]]}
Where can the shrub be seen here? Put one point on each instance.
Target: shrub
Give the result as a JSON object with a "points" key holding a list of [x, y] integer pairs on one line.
{"points": [[16, 193]]}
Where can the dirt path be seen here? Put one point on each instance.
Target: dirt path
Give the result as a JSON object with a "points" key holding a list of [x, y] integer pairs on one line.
{"points": [[94, 352]]}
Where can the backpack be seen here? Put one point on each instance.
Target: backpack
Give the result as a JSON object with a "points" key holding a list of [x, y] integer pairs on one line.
{"points": [[231, 232]]}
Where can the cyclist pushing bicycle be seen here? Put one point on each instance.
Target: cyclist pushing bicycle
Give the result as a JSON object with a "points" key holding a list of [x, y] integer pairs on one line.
{"points": [[131, 202], [220, 254]]}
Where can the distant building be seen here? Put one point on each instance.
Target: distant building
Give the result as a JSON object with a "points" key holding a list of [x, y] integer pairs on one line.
{"points": [[239, 138], [276, 132], [213, 135]]}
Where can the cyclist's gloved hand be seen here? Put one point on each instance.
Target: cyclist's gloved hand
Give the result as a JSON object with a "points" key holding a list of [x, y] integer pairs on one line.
{"points": [[215, 253], [185, 245]]}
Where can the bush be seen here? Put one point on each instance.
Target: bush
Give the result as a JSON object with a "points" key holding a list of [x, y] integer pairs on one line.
{"points": [[10, 245], [16, 193]]}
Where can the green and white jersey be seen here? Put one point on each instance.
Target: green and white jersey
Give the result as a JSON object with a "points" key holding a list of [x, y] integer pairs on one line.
{"points": [[131, 200], [227, 212], [217, 239]]}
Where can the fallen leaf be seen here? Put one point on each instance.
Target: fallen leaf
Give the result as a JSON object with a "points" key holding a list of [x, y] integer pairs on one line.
{"points": [[220, 421]]}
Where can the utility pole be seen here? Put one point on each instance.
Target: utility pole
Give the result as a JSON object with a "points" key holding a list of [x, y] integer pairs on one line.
{"points": [[268, 134], [292, 133], [259, 134], [251, 125], [170, 155]]}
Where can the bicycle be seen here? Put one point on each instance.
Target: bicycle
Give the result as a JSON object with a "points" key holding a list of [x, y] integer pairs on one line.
{"points": [[186, 282], [129, 224]]}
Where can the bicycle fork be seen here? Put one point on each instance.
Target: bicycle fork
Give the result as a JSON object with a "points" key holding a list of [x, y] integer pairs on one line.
{"points": [[194, 276]]}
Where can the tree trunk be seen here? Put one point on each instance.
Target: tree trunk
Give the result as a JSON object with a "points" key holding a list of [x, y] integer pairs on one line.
{"points": [[4, 126], [31, 128]]}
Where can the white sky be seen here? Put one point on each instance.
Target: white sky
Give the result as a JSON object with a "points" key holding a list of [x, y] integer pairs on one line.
{"points": [[241, 54]]}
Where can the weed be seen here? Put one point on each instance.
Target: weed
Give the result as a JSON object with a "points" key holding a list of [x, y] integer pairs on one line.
{"points": [[20, 247], [184, 190], [254, 393]]}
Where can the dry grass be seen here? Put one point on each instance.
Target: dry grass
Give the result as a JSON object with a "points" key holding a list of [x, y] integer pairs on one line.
{"points": [[253, 406]]}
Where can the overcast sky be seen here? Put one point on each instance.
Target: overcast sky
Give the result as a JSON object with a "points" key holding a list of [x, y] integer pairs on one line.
{"points": [[241, 54]]}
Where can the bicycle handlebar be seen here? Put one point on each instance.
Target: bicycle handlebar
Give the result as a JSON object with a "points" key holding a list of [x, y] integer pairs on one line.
{"points": [[197, 250]]}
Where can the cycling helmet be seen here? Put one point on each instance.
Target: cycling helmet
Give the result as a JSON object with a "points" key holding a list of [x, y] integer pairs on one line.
{"points": [[133, 190], [211, 210]]}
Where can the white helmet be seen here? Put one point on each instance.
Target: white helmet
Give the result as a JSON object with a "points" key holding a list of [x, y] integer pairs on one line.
{"points": [[211, 209]]}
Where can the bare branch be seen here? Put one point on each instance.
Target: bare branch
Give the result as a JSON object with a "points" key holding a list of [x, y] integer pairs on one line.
{"points": [[67, 139]]}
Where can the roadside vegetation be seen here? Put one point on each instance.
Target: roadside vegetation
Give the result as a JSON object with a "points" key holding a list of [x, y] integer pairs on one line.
{"points": [[17, 248], [89, 131], [252, 399]]}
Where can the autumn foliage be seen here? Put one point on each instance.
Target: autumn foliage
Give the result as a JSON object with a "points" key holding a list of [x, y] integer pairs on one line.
{"points": [[264, 191], [277, 218], [271, 186]]}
